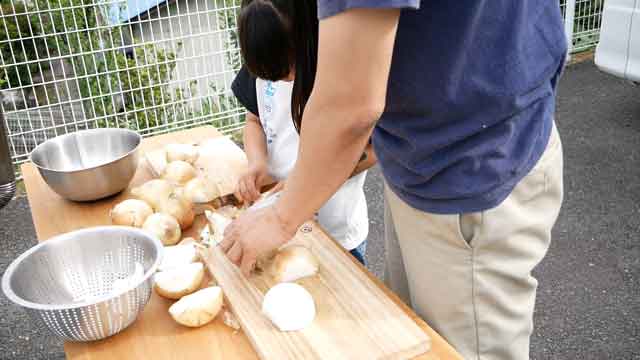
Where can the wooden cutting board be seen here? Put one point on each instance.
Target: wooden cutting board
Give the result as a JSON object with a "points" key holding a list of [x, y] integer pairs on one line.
{"points": [[354, 318]]}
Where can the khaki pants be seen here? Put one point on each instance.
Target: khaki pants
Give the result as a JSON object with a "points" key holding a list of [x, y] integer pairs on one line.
{"points": [[469, 275]]}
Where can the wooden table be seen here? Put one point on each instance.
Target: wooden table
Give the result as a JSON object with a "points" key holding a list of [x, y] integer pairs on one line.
{"points": [[154, 334]]}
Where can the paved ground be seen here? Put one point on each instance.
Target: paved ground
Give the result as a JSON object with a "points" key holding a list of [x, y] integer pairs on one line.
{"points": [[589, 294]]}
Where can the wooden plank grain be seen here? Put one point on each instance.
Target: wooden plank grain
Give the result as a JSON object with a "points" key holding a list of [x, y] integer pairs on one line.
{"points": [[440, 348], [347, 303], [154, 334]]}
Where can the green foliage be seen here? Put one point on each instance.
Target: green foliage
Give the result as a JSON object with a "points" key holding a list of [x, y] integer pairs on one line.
{"points": [[587, 26], [116, 89], [227, 20], [587, 23], [21, 45]]}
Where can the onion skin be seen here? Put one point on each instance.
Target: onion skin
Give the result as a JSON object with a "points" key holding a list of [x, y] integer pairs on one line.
{"points": [[180, 208], [154, 192], [165, 227], [201, 190], [179, 172], [182, 152], [131, 212]]}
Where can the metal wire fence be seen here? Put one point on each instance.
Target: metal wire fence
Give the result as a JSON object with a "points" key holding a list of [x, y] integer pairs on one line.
{"points": [[582, 23], [149, 65]]}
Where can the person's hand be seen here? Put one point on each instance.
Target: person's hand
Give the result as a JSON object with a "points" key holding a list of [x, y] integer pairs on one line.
{"points": [[248, 188], [253, 234]]}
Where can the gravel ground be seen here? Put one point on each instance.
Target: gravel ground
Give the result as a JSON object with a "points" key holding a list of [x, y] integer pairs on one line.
{"points": [[589, 295]]}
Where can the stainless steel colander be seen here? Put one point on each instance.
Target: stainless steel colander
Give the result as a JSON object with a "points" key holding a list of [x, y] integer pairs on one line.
{"points": [[68, 281]]}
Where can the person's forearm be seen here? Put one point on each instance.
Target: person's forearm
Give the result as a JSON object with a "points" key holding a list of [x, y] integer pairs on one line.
{"points": [[255, 145], [324, 163], [348, 98], [367, 160]]}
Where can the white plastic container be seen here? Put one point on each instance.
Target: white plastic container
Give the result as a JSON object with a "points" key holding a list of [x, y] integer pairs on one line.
{"points": [[618, 51]]}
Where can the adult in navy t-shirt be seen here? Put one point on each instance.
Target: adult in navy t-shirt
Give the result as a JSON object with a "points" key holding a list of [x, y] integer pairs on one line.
{"points": [[470, 98], [460, 97], [472, 160]]}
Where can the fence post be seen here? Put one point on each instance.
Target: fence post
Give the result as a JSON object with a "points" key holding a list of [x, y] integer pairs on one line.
{"points": [[7, 176], [569, 23]]}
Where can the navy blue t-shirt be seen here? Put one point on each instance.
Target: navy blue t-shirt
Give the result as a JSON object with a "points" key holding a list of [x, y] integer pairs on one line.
{"points": [[470, 99]]}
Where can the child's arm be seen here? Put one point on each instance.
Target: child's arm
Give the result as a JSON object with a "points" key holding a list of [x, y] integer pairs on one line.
{"points": [[248, 187], [255, 146]]}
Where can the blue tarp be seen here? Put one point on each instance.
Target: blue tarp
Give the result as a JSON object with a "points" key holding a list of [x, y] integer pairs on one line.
{"points": [[125, 11]]}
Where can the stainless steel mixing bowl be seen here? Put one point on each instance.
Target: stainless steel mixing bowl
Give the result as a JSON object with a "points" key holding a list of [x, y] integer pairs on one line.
{"points": [[69, 281], [89, 164]]}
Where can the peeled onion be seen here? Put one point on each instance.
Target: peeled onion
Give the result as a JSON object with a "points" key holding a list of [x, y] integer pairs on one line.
{"points": [[165, 227], [130, 212], [292, 263], [187, 241], [289, 306], [180, 208], [180, 281], [201, 190], [179, 172], [157, 161], [183, 152], [177, 256], [154, 192], [230, 320], [199, 308], [229, 211], [218, 223]]}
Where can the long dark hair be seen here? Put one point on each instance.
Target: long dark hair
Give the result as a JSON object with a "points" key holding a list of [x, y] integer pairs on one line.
{"points": [[277, 36]]}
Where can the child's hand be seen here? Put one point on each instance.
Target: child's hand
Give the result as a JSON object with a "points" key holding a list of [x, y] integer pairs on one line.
{"points": [[248, 189]]}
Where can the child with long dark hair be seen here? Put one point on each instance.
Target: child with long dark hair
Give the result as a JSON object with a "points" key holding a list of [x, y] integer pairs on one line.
{"points": [[279, 45]]}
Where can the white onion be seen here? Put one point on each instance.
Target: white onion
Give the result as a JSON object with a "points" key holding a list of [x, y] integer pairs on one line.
{"points": [[201, 190], [177, 256], [179, 281], [154, 192], [130, 212], [165, 227], [292, 263], [218, 223], [187, 241], [199, 308], [289, 306], [183, 152], [179, 172], [180, 208]]}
